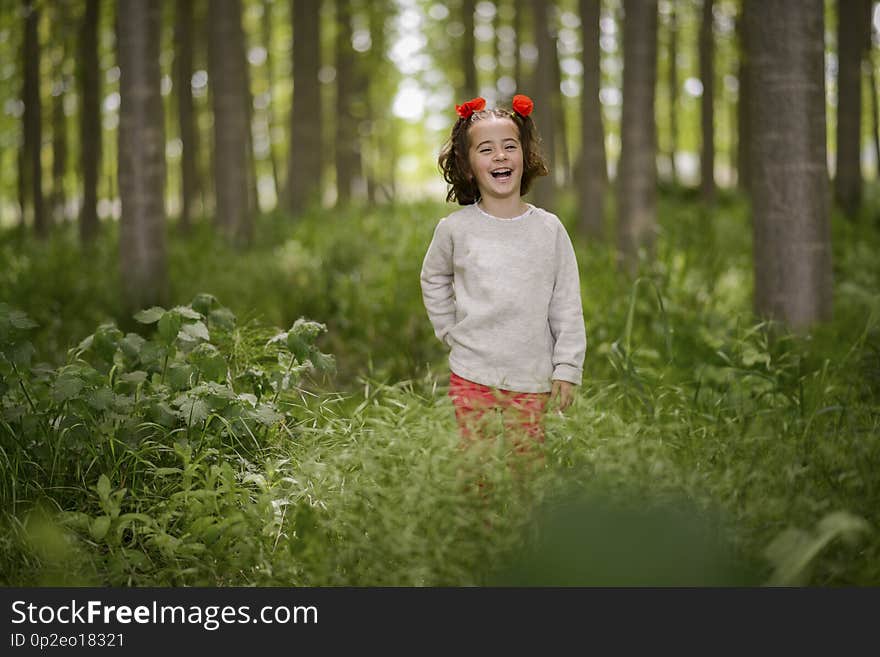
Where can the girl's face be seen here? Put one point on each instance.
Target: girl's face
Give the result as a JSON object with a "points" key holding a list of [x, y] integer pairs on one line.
{"points": [[495, 157]]}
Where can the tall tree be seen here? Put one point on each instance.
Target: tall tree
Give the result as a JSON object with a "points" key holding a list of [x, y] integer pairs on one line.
{"points": [[742, 104], [469, 51], [141, 155], [637, 172], [183, 72], [672, 54], [547, 94], [266, 29], [59, 121], [381, 153], [707, 103], [518, 10], [89, 74], [872, 90], [253, 202], [563, 159], [347, 148], [305, 165], [851, 23], [789, 178], [593, 168], [33, 132], [226, 64]]}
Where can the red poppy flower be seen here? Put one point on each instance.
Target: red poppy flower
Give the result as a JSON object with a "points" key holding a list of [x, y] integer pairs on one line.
{"points": [[523, 105], [471, 106]]}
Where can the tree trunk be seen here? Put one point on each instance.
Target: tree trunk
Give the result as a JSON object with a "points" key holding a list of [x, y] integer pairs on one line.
{"points": [[707, 104], [547, 98], [469, 52], [228, 82], [518, 9], [141, 156], [253, 203], [637, 173], [33, 132], [673, 91], [851, 22], [563, 166], [346, 132], [374, 97], [742, 105], [872, 91], [270, 85], [183, 72], [789, 176], [89, 120], [59, 121], [593, 168], [305, 165]]}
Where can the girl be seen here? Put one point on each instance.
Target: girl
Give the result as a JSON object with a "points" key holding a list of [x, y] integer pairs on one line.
{"points": [[500, 280]]}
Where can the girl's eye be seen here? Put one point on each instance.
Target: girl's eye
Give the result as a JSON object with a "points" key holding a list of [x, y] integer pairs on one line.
{"points": [[485, 150], [511, 147]]}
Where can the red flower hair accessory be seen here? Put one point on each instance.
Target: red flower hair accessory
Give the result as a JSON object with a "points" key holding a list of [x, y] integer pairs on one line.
{"points": [[523, 105], [474, 105]]}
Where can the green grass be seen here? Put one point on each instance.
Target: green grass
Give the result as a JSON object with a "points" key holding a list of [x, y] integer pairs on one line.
{"points": [[704, 447]]}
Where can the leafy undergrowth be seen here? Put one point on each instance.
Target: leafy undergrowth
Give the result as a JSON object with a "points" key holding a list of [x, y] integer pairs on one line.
{"points": [[206, 447]]}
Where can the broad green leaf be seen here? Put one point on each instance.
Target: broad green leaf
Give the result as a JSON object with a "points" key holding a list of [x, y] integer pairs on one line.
{"points": [[265, 415], [180, 377], [106, 340], [193, 411], [203, 303], [138, 376], [131, 346], [187, 312], [169, 326], [298, 346], [164, 472], [162, 413], [223, 318], [103, 487], [150, 315], [66, 387], [323, 362], [196, 330], [100, 399], [99, 526], [210, 362]]}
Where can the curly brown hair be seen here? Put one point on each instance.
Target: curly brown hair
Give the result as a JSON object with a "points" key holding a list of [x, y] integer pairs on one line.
{"points": [[456, 170]]}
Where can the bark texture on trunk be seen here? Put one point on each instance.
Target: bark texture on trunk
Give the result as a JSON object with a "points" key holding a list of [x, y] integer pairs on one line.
{"points": [[141, 156], [593, 172], [183, 71], [305, 164], [33, 133], [231, 126], [546, 98], [707, 103], [637, 173], [789, 177], [89, 120]]}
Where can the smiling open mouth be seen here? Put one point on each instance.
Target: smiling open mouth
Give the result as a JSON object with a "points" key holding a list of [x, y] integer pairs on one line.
{"points": [[502, 174]]}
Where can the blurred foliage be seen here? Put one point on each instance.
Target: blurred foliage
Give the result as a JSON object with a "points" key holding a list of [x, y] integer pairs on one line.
{"points": [[194, 444]]}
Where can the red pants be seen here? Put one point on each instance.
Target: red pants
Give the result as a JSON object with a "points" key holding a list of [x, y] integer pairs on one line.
{"points": [[521, 412]]}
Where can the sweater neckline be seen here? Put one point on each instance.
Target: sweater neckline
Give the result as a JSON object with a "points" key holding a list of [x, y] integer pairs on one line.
{"points": [[529, 209]]}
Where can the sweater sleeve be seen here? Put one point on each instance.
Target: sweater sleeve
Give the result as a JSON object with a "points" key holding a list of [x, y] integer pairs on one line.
{"points": [[438, 293], [566, 314]]}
